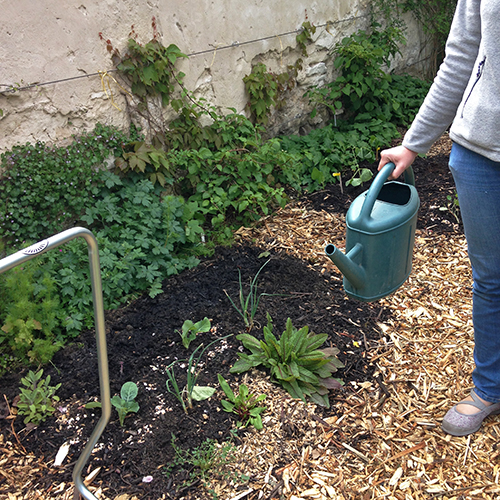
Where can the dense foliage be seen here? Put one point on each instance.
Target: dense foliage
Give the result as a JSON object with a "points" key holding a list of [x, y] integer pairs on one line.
{"points": [[154, 207], [435, 17]]}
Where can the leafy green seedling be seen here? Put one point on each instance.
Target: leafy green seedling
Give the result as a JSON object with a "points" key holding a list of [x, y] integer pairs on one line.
{"points": [[126, 403], [250, 303], [206, 462], [294, 360], [37, 398], [243, 404], [359, 177], [191, 392], [190, 330]]}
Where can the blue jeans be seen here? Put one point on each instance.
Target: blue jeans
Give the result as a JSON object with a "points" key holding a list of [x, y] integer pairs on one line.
{"points": [[477, 180]]}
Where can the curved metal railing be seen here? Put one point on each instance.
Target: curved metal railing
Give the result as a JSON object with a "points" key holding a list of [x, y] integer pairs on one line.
{"points": [[102, 356]]}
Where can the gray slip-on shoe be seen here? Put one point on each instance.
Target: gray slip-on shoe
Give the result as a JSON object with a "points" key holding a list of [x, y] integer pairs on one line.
{"points": [[459, 424]]}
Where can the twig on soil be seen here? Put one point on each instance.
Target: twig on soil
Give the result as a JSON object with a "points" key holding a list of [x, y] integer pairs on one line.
{"points": [[241, 495], [12, 419], [356, 452]]}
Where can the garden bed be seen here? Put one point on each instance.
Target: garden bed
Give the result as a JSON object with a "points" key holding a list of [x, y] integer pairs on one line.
{"points": [[384, 417]]}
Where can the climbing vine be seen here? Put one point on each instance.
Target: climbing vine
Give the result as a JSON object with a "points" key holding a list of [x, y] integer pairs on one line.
{"points": [[435, 16], [150, 68], [305, 36], [266, 89]]}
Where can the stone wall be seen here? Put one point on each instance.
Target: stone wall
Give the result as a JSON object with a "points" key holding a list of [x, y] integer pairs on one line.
{"points": [[52, 54]]}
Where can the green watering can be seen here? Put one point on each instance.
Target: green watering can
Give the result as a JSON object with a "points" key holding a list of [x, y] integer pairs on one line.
{"points": [[380, 236]]}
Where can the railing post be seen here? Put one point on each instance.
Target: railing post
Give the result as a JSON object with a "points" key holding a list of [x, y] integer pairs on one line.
{"points": [[102, 355]]}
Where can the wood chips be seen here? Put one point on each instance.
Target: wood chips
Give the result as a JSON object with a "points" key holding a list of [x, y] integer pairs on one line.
{"points": [[387, 441], [383, 439]]}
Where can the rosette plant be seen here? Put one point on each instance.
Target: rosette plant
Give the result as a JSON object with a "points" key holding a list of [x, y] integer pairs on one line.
{"points": [[294, 360]]}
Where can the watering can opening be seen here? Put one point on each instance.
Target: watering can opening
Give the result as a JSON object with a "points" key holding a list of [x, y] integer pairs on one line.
{"points": [[330, 249], [395, 193]]}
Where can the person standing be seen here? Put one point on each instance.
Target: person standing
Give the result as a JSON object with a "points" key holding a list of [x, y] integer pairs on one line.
{"points": [[466, 95]]}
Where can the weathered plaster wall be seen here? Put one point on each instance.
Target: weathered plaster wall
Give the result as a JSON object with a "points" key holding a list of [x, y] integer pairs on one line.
{"points": [[58, 40]]}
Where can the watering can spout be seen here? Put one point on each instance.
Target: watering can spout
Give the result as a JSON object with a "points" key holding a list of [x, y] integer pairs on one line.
{"points": [[353, 272]]}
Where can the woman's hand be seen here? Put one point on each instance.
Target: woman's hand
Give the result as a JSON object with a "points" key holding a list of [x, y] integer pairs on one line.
{"points": [[401, 157]]}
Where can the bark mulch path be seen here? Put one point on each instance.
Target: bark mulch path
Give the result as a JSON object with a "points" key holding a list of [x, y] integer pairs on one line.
{"points": [[408, 359]]}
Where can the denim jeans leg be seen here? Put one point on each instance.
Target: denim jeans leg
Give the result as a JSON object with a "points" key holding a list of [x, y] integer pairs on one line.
{"points": [[477, 180]]}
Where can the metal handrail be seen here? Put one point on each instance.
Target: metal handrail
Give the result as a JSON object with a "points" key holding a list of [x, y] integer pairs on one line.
{"points": [[102, 356]]}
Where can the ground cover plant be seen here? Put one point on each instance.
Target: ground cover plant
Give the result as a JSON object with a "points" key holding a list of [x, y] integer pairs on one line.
{"points": [[125, 403], [37, 398], [243, 404], [294, 359]]}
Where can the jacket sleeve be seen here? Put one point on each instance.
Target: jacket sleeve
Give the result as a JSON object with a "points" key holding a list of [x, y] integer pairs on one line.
{"points": [[441, 103]]}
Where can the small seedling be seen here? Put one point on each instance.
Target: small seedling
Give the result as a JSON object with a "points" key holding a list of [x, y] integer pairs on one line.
{"points": [[250, 303], [244, 404], [36, 401], [126, 403], [191, 392], [190, 330], [204, 463]]}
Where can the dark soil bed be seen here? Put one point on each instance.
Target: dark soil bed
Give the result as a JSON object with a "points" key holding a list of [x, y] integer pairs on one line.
{"points": [[142, 340]]}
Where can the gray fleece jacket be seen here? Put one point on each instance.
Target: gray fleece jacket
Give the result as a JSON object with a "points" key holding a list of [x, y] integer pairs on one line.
{"points": [[466, 90]]}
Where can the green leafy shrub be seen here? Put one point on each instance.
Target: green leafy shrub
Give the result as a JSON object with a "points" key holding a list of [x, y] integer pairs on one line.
{"points": [[408, 94], [365, 91], [142, 239], [328, 151], [151, 161], [44, 190], [230, 187], [294, 360], [37, 398], [361, 90], [373, 103], [125, 403], [228, 131], [243, 404], [29, 315]]}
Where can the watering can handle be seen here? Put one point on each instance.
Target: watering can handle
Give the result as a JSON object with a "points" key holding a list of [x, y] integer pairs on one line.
{"points": [[376, 186]]}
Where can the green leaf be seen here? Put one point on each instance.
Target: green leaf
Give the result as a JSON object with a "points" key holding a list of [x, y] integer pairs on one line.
{"points": [[133, 407], [256, 422], [229, 407], [93, 404], [314, 341], [320, 400], [226, 388], [129, 391], [201, 393], [254, 412], [150, 74], [243, 365], [307, 376], [249, 342], [202, 326]]}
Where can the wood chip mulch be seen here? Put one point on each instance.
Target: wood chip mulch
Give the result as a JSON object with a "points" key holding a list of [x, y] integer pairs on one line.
{"points": [[384, 440], [387, 443]]}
